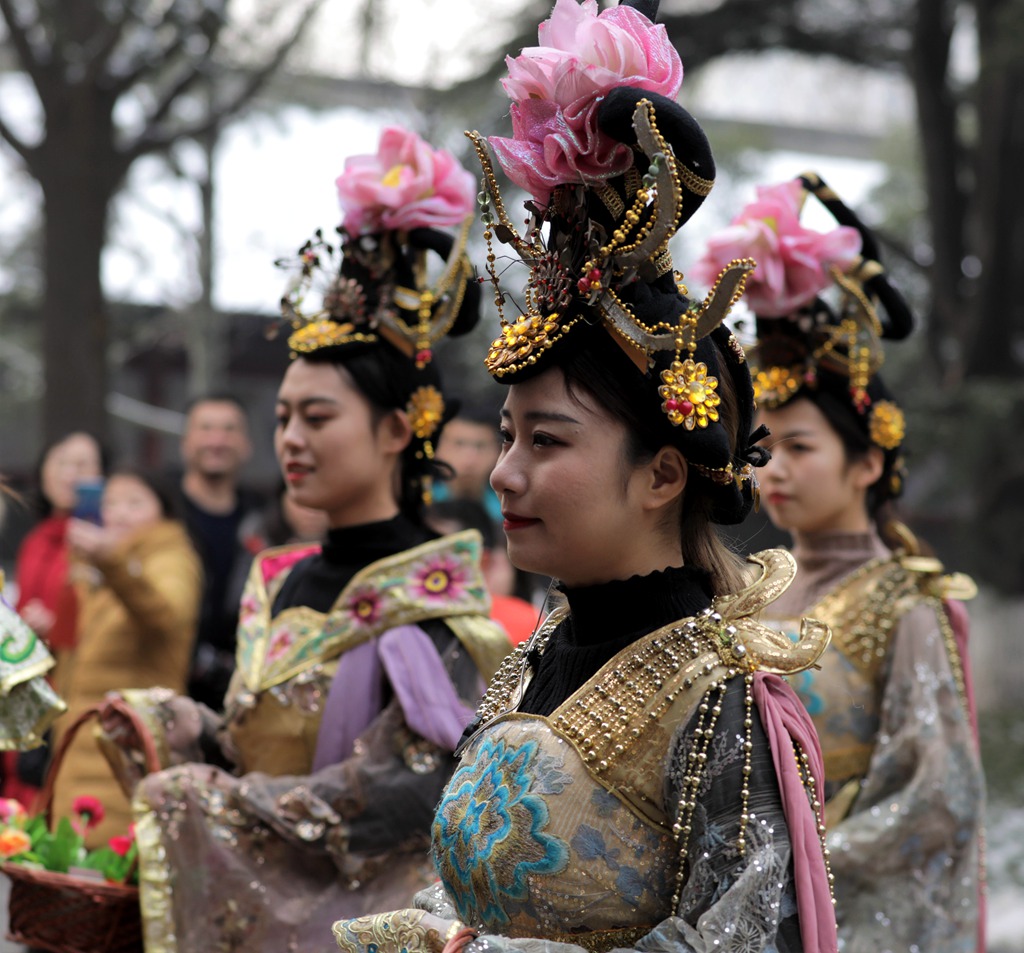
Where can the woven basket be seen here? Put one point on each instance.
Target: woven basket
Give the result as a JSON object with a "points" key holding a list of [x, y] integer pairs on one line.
{"points": [[68, 914]]}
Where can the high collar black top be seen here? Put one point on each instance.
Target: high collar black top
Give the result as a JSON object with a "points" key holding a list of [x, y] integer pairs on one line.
{"points": [[604, 619], [317, 580]]}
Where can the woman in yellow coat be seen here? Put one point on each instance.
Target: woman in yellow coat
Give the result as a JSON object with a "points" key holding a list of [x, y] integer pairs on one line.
{"points": [[138, 581]]}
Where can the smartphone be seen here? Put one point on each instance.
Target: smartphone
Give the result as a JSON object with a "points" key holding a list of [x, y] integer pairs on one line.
{"points": [[89, 495]]}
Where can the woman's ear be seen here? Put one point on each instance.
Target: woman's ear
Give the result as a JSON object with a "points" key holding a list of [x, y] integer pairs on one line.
{"points": [[868, 468], [394, 432], [665, 478]]}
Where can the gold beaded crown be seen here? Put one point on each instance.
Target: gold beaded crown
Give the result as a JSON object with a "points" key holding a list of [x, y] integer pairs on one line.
{"points": [[839, 349], [375, 287]]}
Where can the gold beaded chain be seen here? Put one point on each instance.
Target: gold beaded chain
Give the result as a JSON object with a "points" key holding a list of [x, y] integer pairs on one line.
{"points": [[696, 761], [748, 749], [491, 193], [811, 785]]}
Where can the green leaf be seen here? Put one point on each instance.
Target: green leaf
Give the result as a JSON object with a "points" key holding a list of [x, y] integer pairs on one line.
{"points": [[65, 848]]}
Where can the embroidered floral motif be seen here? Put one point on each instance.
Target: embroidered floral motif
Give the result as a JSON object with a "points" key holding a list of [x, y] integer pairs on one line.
{"points": [[441, 577], [280, 642], [489, 832], [364, 605]]}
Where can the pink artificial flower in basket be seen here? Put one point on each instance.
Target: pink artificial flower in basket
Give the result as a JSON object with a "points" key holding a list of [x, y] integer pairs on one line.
{"points": [[89, 810], [556, 88], [792, 261], [405, 184]]}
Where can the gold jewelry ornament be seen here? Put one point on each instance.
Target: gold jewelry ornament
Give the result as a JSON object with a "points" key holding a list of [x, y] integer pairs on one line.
{"points": [[426, 411], [325, 333], [689, 398], [886, 425], [775, 385]]}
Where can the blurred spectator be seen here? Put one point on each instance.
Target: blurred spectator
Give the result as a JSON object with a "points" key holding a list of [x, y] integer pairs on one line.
{"points": [[45, 598], [469, 445], [516, 616], [42, 566], [138, 580], [214, 448], [283, 521]]}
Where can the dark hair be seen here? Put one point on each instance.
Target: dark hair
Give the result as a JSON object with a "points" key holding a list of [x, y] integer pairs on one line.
{"points": [[483, 412], [387, 379], [217, 397], [468, 514], [42, 504], [157, 484], [631, 400]]}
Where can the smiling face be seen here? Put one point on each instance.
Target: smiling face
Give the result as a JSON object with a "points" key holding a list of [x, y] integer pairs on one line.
{"points": [[215, 443], [129, 505], [333, 454], [575, 506], [811, 485], [74, 460]]}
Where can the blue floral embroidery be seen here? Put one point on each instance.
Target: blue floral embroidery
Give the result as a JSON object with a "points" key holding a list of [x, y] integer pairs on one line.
{"points": [[489, 830], [802, 683]]}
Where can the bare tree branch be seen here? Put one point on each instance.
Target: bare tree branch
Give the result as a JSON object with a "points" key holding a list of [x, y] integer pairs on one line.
{"points": [[144, 67], [28, 56], [16, 143], [153, 141], [107, 44]]}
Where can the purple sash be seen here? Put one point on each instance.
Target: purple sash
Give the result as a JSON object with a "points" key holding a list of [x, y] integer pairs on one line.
{"points": [[409, 659]]}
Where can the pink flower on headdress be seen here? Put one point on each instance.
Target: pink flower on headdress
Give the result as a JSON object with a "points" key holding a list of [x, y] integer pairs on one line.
{"points": [[406, 184], [555, 89], [792, 261]]}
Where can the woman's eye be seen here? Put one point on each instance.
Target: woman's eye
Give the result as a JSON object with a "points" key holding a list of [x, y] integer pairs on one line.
{"points": [[544, 440], [504, 436], [281, 422]]}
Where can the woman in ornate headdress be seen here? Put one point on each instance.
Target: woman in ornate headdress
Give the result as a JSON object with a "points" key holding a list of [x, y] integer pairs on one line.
{"points": [[892, 698], [637, 775], [359, 661]]}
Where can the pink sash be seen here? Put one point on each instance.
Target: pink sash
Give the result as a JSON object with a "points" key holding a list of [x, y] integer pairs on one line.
{"points": [[788, 725]]}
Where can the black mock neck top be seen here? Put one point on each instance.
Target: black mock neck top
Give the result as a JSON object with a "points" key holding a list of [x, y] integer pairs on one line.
{"points": [[317, 580], [603, 620]]}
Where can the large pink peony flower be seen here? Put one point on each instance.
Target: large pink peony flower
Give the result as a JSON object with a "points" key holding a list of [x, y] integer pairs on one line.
{"points": [[407, 184], [792, 261], [555, 89]]}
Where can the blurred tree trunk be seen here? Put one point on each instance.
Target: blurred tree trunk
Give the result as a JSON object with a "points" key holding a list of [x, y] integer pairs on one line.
{"points": [[83, 60], [78, 173], [942, 161], [994, 340]]}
